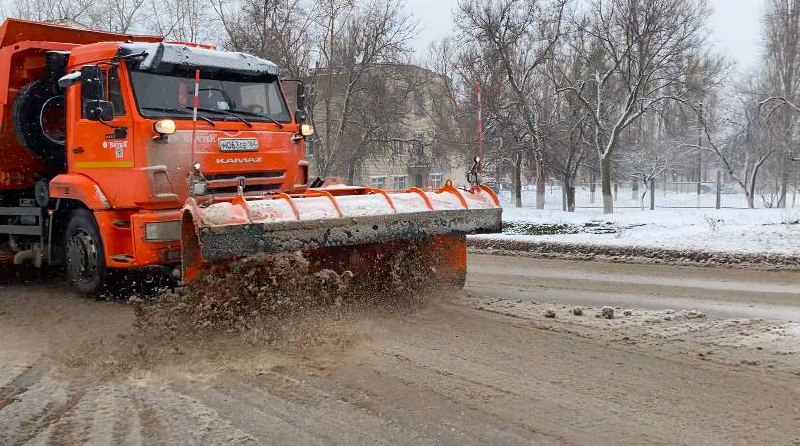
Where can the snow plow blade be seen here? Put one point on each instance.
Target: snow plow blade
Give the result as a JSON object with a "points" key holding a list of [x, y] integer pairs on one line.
{"points": [[324, 222]]}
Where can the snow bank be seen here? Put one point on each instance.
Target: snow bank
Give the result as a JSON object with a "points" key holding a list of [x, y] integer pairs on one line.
{"points": [[755, 231]]}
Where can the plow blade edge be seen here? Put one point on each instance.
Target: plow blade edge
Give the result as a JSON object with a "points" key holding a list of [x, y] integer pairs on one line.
{"points": [[322, 220]]}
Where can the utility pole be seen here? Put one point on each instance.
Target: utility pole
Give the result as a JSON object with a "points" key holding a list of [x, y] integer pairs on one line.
{"points": [[699, 148], [479, 129]]}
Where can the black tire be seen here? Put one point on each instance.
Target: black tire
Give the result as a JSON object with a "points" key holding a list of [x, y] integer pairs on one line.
{"points": [[84, 259], [47, 146]]}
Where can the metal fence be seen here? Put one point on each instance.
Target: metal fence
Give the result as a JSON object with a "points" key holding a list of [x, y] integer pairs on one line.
{"points": [[664, 194]]}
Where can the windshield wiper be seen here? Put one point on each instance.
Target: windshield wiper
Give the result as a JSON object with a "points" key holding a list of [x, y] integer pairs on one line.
{"points": [[250, 113], [225, 112], [177, 110]]}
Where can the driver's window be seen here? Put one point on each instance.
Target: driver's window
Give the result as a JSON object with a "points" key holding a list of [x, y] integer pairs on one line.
{"points": [[112, 92], [274, 102], [213, 96], [254, 97]]}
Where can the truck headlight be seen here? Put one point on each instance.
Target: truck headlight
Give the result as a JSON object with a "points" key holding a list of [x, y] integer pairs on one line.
{"points": [[306, 130], [163, 231], [199, 188], [165, 126]]}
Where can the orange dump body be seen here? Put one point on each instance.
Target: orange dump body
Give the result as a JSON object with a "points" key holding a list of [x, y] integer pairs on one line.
{"points": [[23, 45]]}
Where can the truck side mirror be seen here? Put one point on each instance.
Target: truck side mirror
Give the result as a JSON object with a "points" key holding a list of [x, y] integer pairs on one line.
{"points": [[301, 96], [95, 107], [91, 83], [300, 114], [99, 110], [69, 79]]}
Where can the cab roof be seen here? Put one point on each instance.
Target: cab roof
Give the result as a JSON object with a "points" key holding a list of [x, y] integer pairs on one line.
{"points": [[168, 57]]}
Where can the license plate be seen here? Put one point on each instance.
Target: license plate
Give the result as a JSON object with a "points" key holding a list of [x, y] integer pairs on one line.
{"points": [[238, 145]]}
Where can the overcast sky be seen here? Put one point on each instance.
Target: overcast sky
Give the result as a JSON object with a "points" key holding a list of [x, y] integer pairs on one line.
{"points": [[736, 26]]}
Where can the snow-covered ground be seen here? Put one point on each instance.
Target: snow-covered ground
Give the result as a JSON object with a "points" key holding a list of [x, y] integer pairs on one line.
{"points": [[674, 195], [770, 231]]}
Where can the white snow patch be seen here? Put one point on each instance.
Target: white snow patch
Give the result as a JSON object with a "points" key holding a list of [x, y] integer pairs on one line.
{"points": [[102, 197], [775, 231]]}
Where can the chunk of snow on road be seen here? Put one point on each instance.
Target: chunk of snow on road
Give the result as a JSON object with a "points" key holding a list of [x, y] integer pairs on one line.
{"points": [[606, 313]]}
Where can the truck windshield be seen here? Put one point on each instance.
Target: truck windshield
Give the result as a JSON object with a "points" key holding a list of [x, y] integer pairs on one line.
{"points": [[170, 95]]}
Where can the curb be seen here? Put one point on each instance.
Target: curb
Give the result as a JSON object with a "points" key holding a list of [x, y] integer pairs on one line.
{"points": [[634, 254]]}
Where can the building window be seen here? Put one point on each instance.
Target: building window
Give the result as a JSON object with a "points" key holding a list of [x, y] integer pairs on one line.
{"points": [[436, 180], [377, 182], [417, 143], [418, 104], [397, 147], [399, 182]]}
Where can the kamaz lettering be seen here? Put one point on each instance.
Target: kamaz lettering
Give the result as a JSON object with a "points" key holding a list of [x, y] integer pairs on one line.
{"points": [[238, 160]]}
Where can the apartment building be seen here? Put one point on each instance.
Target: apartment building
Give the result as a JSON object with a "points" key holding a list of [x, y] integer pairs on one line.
{"points": [[403, 149]]}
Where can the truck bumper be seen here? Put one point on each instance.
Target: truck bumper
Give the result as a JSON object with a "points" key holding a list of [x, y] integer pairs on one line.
{"points": [[140, 239]]}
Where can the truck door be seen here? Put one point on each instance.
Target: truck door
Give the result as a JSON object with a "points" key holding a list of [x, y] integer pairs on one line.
{"points": [[101, 140]]}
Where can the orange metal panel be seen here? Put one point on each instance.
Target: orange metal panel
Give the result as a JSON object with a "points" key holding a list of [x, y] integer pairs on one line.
{"points": [[13, 31], [116, 240], [148, 253], [78, 187], [124, 244]]}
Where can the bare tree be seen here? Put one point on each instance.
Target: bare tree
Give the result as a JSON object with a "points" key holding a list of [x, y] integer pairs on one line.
{"points": [[518, 36], [453, 111], [76, 11], [782, 77], [647, 160], [110, 15], [376, 121], [742, 141], [359, 39], [116, 15], [635, 54], [566, 139], [182, 20], [278, 30], [501, 136]]}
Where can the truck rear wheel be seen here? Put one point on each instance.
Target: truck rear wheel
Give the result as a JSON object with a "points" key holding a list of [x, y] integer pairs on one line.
{"points": [[84, 257]]}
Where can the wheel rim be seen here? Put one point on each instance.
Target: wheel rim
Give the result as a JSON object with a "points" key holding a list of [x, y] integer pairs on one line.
{"points": [[52, 120], [82, 257]]}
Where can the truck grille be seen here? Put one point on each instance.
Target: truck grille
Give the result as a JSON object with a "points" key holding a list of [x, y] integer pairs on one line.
{"points": [[264, 182], [269, 188], [248, 176]]}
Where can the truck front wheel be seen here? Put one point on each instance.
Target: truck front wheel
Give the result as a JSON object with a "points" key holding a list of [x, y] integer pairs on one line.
{"points": [[85, 260]]}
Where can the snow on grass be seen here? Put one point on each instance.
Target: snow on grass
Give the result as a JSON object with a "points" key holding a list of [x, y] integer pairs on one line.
{"points": [[676, 195], [771, 231]]}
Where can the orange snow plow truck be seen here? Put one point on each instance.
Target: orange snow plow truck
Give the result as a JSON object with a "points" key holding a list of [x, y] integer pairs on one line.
{"points": [[106, 171]]}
